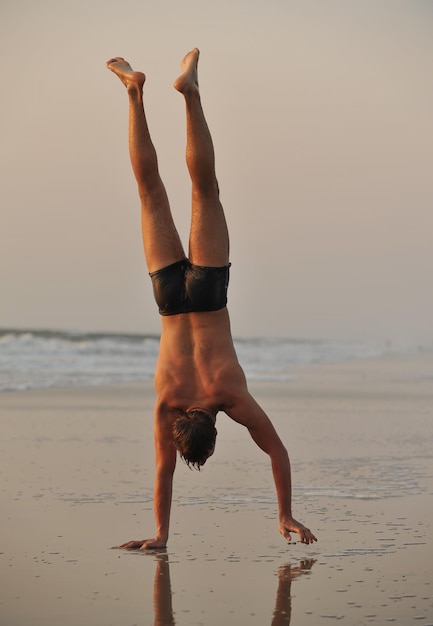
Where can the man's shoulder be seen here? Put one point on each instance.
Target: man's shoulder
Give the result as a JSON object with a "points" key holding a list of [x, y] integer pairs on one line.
{"points": [[164, 418], [165, 409]]}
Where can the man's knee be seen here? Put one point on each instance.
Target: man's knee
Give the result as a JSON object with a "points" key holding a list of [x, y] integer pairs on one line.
{"points": [[153, 195], [206, 190]]}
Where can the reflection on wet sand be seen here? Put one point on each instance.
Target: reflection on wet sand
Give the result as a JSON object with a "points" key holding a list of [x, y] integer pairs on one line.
{"points": [[283, 601], [162, 597], [162, 594]]}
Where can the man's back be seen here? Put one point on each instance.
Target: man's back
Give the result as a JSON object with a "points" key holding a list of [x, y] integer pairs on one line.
{"points": [[197, 364]]}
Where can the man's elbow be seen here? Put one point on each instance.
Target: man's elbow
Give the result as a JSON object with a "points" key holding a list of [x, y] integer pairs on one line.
{"points": [[165, 465], [279, 454], [270, 443]]}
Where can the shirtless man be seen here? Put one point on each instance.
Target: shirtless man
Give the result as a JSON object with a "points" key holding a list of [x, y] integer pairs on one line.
{"points": [[197, 373]]}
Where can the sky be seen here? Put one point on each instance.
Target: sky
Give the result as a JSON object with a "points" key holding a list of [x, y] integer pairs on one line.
{"points": [[321, 114]]}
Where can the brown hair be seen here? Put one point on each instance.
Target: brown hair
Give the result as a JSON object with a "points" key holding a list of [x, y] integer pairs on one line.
{"points": [[194, 436]]}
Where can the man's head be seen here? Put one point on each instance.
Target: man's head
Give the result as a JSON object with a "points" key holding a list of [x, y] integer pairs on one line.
{"points": [[194, 436]]}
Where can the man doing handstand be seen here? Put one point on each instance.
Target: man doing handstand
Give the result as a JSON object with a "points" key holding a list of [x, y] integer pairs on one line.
{"points": [[197, 372]]}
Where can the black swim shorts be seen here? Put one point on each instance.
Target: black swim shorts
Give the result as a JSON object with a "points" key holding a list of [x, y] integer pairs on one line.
{"points": [[186, 288]]}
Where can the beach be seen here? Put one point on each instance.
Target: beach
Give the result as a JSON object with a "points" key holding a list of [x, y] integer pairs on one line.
{"points": [[77, 477]]}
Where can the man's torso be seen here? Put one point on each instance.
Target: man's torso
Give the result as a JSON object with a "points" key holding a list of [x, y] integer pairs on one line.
{"points": [[197, 364]]}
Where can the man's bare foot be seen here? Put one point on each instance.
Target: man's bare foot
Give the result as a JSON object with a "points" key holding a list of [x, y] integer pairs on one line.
{"points": [[124, 71], [188, 80]]}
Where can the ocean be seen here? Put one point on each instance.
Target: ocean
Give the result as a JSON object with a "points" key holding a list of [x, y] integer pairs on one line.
{"points": [[32, 359]]}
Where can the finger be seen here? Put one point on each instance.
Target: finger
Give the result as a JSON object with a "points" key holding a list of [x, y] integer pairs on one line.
{"points": [[305, 535], [130, 545], [310, 537]]}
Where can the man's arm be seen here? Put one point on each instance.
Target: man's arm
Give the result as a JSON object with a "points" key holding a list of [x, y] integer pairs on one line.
{"points": [[165, 462], [247, 412]]}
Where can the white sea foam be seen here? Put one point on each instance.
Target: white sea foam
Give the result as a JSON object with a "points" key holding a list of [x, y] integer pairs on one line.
{"points": [[31, 359]]}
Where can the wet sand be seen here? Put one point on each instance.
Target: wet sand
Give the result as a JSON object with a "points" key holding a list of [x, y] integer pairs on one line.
{"points": [[76, 479]]}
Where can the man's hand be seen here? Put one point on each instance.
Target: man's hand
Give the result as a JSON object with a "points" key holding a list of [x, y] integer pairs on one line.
{"points": [[289, 525], [143, 544]]}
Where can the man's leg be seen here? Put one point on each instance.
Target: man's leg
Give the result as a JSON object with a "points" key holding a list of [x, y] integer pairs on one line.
{"points": [[209, 240], [162, 245]]}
